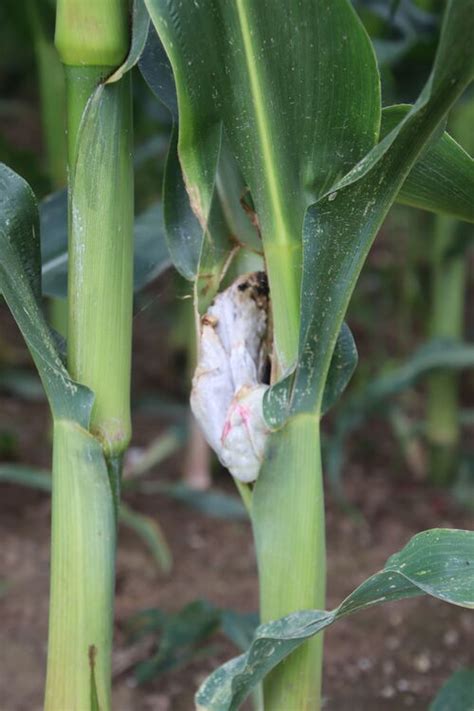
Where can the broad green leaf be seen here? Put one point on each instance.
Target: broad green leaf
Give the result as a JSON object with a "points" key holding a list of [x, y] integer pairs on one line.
{"points": [[457, 694], [183, 232], [460, 123], [262, 70], [20, 228], [156, 69], [343, 364], [284, 398], [340, 228], [297, 389], [200, 249], [20, 283], [439, 562], [442, 180], [151, 255], [219, 243]]}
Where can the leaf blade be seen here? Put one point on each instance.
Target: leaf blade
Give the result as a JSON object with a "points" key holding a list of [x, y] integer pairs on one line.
{"points": [[442, 180], [339, 229], [403, 576], [21, 287]]}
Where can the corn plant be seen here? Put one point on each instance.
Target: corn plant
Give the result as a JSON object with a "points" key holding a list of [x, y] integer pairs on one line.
{"points": [[449, 280], [91, 427], [280, 149], [288, 95]]}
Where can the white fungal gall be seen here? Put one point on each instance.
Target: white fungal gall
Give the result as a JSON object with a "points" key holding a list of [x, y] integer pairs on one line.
{"points": [[227, 394], [245, 433]]}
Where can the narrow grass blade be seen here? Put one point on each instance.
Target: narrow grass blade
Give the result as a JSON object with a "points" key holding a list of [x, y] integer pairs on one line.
{"points": [[150, 532]]}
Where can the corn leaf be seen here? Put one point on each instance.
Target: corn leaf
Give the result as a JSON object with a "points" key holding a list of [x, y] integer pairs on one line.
{"points": [[200, 248], [439, 562], [247, 69], [139, 23], [457, 694], [20, 283], [151, 256], [281, 400], [339, 229], [442, 180], [343, 364], [183, 232]]}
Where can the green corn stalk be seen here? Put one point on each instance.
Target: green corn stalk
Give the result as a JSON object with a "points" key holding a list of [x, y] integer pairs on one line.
{"points": [[196, 469], [447, 322], [92, 39], [449, 275], [52, 96], [53, 119]]}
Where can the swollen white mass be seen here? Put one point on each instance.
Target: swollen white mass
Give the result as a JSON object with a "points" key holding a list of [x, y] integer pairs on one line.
{"points": [[227, 394]]}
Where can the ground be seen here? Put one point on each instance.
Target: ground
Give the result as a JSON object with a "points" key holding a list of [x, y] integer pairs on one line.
{"points": [[392, 657]]}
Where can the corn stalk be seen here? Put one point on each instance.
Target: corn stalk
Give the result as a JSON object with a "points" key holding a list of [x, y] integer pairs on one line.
{"points": [[92, 40], [449, 274]]}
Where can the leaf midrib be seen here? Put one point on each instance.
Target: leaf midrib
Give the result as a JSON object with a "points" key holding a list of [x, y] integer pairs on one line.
{"points": [[281, 235]]}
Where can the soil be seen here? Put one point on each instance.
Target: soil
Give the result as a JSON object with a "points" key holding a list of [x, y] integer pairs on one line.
{"points": [[392, 657]]}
